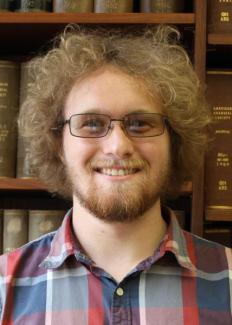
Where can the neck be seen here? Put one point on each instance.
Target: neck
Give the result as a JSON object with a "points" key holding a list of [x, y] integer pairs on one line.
{"points": [[118, 247]]}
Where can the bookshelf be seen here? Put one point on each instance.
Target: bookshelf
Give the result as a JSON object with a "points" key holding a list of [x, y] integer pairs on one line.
{"points": [[24, 34]]}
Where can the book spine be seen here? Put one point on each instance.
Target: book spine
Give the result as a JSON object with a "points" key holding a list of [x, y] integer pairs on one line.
{"points": [[32, 5], [218, 162], [9, 96], [219, 16], [162, 5], [113, 6], [73, 5], [14, 229], [4, 5], [43, 221], [24, 169]]}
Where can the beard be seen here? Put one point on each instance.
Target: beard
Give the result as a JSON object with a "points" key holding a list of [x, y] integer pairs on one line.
{"points": [[126, 201]]}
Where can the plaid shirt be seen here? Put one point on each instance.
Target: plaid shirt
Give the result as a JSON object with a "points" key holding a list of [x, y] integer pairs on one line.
{"points": [[187, 281]]}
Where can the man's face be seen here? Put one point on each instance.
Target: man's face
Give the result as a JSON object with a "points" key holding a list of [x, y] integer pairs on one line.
{"points": [[116, 177]]}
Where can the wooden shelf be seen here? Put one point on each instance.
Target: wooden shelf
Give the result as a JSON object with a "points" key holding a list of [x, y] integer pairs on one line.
{"points": [[220, 39], [32, 184], [219, 214], [28, 184], [93, 18]]}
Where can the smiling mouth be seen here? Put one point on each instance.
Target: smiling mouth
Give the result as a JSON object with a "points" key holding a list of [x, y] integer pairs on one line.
{"points": [[117, 171]]}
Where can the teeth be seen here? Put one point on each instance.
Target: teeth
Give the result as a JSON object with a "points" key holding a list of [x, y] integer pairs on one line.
{"points": [[116, 172]]}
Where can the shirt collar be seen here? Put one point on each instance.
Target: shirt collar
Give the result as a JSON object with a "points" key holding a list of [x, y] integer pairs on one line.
{"points": [[64, 244], [175, 241]]}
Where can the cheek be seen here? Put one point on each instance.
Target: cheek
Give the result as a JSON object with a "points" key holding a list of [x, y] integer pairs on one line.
{"points": [[156, 152], [77, 152]]}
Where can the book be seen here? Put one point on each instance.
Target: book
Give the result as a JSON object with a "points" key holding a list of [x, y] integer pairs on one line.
{"points": [[218, 162], [4, 5], [32, 5], [73, 5], [162, 5], [219, 16], [43, 221], [15, 229], [111, 6], [9, 104], [23, 168]]}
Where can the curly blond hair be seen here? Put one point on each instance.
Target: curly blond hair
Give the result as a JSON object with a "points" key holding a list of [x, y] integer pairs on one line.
{"points": [[152, 54]]}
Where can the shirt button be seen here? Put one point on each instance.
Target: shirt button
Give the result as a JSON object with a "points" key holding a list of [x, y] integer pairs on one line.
{"points": [[120, 292]]}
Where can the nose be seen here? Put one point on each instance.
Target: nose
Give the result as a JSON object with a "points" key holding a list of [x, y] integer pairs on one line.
{"points": [[117, 143]]}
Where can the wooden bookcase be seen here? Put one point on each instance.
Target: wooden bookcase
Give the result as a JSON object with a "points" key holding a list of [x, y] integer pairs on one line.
{"points": [[24, 34]]}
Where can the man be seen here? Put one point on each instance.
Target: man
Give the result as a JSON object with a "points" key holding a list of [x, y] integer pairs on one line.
{"points": [[116, 121]]}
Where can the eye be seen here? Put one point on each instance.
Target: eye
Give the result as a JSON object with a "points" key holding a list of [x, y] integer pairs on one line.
{"points": [[138, 124], [92, 125]]}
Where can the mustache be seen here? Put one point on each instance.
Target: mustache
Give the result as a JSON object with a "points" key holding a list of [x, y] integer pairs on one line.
{"points": [[119, 163]]}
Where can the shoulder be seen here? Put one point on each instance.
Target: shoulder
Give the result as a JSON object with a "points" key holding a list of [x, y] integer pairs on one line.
{"points": [[25, 261], [208, 256]]}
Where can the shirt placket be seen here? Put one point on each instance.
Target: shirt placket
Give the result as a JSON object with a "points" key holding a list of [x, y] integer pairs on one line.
{"points": [[121, 308]]}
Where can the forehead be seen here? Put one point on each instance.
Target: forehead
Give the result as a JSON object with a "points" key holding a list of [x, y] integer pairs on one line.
{"points": [[109, 90]]}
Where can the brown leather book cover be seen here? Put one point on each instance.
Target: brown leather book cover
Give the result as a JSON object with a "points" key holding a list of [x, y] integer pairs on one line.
{"points": [[44, 221], [9, 96], [219, 16], [24, 169], [162, 6], [111, 6], [73, 5], [15, 232], [218, 162], [32, 5]]}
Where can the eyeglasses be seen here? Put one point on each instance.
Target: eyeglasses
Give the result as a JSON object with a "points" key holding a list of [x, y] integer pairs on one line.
{"points": [[138, 125]]}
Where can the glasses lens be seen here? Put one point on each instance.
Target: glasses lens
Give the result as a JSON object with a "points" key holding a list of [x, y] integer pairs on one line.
{"points": [[144, 125], [89, 125]]}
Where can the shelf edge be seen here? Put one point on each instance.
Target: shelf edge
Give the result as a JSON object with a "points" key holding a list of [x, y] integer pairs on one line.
{"points": [[96, 18]]}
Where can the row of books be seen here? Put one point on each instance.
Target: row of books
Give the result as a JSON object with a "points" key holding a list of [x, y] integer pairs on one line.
{"points": [[97, 6], [20, 226], [14, 82]]}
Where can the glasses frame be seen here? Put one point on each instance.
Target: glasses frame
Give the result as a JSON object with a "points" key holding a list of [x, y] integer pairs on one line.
{"points": [[122, 120]]}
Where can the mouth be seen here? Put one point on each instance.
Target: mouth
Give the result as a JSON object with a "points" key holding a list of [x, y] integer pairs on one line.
{"points": [[117, 171]]}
